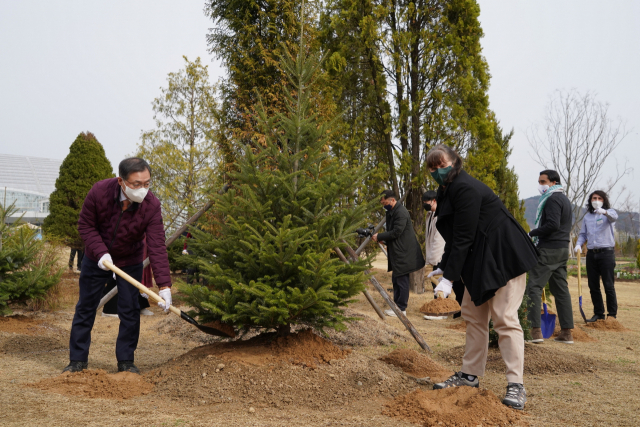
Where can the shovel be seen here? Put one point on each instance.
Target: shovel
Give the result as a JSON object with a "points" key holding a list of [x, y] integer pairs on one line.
{"points": [[548, 321], [580, 289], [227, 332]]}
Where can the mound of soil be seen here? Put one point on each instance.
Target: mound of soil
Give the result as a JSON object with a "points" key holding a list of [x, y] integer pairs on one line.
{"points": [[270, 371], [538, 359], [20, 325], [459, 326], [440, 305], [365, 331], [578, 335], [459, 407], [32, 344], [416, 364], [610, 324], [96, 384]]}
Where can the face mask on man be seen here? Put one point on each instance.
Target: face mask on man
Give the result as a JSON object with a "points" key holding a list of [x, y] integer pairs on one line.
{"points": [[427, 207], [388, 207], [543, 188], [136, 195], [441, 174], [597, 204]]}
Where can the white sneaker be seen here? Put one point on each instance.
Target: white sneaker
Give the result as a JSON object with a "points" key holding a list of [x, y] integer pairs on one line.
{"points": [[109, 315], [391, 313], [146, 312]]}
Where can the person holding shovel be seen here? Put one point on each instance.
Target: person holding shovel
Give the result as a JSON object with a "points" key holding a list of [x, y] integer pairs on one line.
{"points": [[597, 232], [116, 216], [490, 253]]}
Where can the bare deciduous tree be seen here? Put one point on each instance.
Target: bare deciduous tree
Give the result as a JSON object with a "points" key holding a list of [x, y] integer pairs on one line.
{"points": [[576, 138]]}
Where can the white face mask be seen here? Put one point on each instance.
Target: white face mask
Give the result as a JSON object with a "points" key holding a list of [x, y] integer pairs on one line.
{"points": [[597, 204], [543, 188], [136, 195]]}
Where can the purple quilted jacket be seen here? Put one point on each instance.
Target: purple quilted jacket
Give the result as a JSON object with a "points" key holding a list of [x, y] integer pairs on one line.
{"points": [[105, 228]]}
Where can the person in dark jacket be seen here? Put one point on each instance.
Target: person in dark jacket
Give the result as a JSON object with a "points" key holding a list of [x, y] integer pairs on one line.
{"points": [[403, 249], [552, 236], [116, 216], [490, 253]]}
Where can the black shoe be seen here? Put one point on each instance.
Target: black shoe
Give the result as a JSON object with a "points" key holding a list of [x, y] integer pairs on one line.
{"points": [[595, 318], [611, 317], [76, 366], [128, 366]]}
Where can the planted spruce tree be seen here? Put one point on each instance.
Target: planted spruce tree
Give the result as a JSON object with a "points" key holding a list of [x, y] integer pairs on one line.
{"points": [[271, 264], [85, 165]]}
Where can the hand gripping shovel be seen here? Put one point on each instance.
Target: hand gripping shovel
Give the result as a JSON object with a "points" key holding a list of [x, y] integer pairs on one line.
{"points": [[227, 332], [547, 321], [580, 288]]}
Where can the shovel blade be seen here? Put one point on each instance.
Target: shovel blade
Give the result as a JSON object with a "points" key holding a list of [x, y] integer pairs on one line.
{"points": [[581, 310], [547, 323], [219, 332]]}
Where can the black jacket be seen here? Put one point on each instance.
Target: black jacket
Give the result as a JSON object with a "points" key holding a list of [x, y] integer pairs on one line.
{"points": [[485, 246], [405, 254], [555, 223]]}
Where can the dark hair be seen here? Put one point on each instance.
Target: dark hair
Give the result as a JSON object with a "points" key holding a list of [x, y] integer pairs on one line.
{"points": [[552, 175], [429, 195], [437, 154], [386, 194], [131, 165], [605, 201]]}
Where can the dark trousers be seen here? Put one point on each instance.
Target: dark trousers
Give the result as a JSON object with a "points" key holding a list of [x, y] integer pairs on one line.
{"points": [[551, 268], [111, 307], [73, 255], [601, 265], [401, 291], [92, 281]]}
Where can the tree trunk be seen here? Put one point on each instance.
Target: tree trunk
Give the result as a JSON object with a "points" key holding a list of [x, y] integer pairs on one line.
{"points": [[416, 281], [284, 330]]}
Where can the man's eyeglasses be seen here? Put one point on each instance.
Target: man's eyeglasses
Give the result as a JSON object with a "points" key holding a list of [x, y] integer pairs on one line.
{"points": [[137, 186]]}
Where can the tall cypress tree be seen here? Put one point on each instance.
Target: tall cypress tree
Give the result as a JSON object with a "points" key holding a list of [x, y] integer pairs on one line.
{"points": [[85, 165], [272, 263]]}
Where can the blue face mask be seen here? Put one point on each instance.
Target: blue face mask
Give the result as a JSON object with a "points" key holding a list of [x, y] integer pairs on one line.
{"points": [[441, 174], [388, 207]]}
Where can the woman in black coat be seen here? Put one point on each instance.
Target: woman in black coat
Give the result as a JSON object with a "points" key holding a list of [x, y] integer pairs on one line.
{"points": [[490, 253]]}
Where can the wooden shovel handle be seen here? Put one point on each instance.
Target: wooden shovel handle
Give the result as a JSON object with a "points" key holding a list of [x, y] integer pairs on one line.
{"points": [[142, 288], [579, 275]]}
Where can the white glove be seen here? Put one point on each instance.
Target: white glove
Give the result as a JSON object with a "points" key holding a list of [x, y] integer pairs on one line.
{"points": [[165, 294], [436, 272], [105, 257], [143, 295], [185, 252], [601, 211], [444, 286], [578, 249]]}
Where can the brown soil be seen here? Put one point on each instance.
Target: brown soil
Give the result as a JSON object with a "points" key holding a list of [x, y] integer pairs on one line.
{"points": [[96, 384], [610, 324], [458, 407], [578, 335], [458, 326], [20, 325], [538, 359], [440, 305], [418, 365], [365, 331], [300, 370]]}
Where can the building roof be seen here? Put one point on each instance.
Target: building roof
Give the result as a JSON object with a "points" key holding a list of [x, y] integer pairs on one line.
{"points": [[33, 174]]}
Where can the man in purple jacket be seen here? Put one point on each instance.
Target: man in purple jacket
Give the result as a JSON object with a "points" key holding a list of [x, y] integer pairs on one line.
{"points": [[116, 215]]}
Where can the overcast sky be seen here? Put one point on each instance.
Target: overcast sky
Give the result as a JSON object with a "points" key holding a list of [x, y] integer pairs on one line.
{"points": [[70, 66]]}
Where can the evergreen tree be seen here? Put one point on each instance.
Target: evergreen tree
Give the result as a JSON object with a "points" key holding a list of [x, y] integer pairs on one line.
{"points": [[507, 180], [27, 266], [85, 165], [272, 264]]}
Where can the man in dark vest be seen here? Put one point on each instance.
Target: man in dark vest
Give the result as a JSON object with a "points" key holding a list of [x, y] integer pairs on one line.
{"points": [[116, 216], [403, 249]]}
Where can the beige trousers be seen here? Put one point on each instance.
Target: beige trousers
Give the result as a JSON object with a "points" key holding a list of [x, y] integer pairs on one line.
{"points": [[503, 309]]}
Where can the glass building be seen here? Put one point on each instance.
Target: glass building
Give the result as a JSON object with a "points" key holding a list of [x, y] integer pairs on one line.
{"points": [[28, 181]]}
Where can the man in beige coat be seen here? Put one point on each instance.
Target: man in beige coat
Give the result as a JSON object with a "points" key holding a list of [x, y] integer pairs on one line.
{"points": [[434, 243]]}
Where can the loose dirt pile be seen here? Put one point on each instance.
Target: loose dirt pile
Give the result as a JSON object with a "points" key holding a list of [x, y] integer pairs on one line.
{"points": [[301, 370], [538, 359], [459, 407], [418, 365], [578, 335], [96, 384], [610, 324], [365, 331], [20, 325], [440, 305], [458, 326]]}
